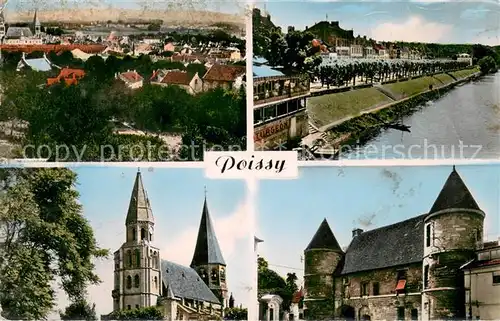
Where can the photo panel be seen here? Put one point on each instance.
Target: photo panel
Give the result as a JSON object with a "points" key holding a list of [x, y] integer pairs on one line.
{"points": [[121, 81], [377, 80], [380, 243], [120, 243]]}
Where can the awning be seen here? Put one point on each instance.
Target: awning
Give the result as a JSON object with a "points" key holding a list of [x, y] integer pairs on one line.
{"points": [[401, 285]]}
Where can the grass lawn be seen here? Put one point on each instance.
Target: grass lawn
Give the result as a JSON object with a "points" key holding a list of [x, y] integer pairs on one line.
{"points": [[444, 78], [326, 109], [412, 87], [463, 73]]}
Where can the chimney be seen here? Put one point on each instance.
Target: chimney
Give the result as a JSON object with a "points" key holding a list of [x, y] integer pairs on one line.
{"points": [[356, 232]]}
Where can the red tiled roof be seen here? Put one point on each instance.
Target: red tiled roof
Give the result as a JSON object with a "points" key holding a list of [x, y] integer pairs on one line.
{"points": [[224, 72], [69, 75], [55, 48], [177, 78], [131, 76]]}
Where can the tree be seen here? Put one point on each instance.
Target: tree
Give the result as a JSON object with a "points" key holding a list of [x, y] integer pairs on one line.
{"points": [[487, 64], [235, 314], [148, 313], [270, 282], [79, 310], [44, 236]]}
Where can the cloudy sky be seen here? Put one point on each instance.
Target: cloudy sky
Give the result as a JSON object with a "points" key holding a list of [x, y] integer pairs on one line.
{"points": [[176, 197], [290, 211], [435, 21]]}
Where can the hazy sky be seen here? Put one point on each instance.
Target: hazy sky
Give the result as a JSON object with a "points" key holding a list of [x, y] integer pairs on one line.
{"points": [[225, 6], [176, 197], [435, 21], [290, 211]]}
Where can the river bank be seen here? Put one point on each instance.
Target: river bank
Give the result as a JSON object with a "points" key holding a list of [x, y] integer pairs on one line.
{"points": [[371, 108]]}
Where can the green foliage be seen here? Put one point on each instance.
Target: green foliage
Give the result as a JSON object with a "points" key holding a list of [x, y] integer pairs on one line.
{"points": [[487, 64], [235, 313], [79, 116], [270, 282], [46, 236], [79, 310], [148, 313]]}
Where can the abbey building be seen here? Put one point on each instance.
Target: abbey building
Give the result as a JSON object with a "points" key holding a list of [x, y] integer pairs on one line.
{"points": [[143, 279], [411, 270], [13, 35]]}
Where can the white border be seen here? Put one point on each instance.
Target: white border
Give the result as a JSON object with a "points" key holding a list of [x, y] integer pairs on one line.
{"points": [[249, 74], [398, 162]]}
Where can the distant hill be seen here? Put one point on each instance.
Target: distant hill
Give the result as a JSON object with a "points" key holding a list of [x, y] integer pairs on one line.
{"points": [[170, 17], [328, 31]]}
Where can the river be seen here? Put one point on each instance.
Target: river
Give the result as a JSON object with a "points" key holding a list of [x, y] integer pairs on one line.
{"points": [[463, 123]]}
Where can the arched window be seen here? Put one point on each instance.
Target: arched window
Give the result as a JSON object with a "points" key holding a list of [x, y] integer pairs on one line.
{"points": [[138, 258], [222, 275], [133, 234], [128, 258], [155, 280], [150, 236], [143, 233], [129, 282], [214, 274], [136, 281]]}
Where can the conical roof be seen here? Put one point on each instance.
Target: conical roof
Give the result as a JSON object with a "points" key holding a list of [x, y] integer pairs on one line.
{"points": [[324, 239], [139, 208], [36, 21], [454, 194], [207, 250]]}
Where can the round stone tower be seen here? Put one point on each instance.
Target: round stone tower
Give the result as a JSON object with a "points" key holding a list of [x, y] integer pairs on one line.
{"points": [[322, 256], [453, 231]]}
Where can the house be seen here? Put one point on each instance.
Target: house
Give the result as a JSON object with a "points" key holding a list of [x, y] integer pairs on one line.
{"points": [[131, 78], [191, 83], [464, 57], [36, 64], [356, 51], [343, 51], [297, 306], [68, 75], [482, 283], [409, 270], [224, 76], [270, 307], [142, 279], [169, 47]]}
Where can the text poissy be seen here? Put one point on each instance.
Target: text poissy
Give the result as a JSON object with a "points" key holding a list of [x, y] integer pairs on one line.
{"points": [[257, 164]]}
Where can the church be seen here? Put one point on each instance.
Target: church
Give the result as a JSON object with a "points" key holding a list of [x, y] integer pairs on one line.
{"points": [[143, 279], [21, 35], [410, 270]]}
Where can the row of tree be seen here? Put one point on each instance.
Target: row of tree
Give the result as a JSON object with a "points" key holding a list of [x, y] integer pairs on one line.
{"points": [[342, 72]]}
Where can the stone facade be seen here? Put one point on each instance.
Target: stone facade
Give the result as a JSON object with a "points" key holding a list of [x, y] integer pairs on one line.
{"points": [[410, 270]]}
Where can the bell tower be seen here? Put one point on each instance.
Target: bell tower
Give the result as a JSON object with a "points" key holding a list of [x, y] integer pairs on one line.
{"points": [[137, 262], [207, 259]]}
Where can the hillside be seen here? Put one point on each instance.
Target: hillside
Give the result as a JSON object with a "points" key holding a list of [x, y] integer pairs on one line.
{"points": [[328, 31], [182, 18]]}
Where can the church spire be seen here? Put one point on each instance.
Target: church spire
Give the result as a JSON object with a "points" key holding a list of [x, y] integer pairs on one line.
{"points": [[139, 209], [207, 250]]}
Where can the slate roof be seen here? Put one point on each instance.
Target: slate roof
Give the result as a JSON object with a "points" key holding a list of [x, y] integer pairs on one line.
{"points": [[207, 250], [401, 243], [220, 72], [324, 238], [454, 194], [139, 208], [18, 32], [184, 282], [38, 64]]}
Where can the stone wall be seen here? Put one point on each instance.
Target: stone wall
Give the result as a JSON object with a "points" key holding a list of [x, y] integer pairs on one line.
{"points": [[272, 135], [319, 266], [384, 305]]}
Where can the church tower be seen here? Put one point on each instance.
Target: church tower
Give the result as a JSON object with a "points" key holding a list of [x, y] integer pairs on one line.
{"points": [[137, 262], [453, 231], [37, 27], [322, 257], [208, 260]]}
